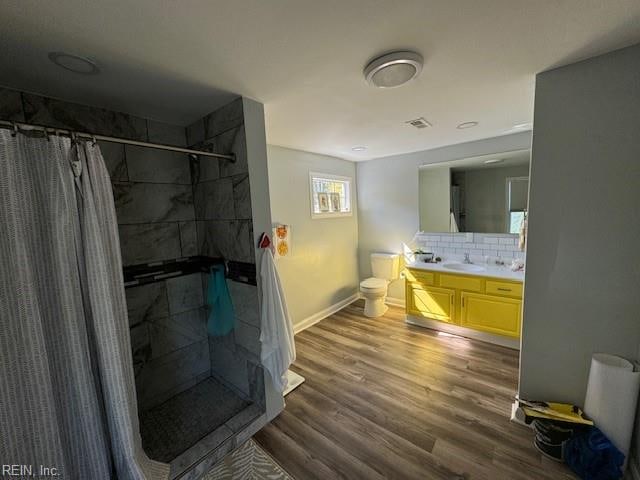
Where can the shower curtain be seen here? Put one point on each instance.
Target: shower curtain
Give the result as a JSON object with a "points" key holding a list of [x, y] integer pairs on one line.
{"points": [[67, 392]]}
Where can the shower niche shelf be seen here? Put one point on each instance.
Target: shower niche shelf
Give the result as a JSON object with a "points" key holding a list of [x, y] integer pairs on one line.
{"points": [[136, 275]]}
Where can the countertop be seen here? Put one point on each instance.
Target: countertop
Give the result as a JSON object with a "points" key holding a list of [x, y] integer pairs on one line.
{"points": [[494, 271]]}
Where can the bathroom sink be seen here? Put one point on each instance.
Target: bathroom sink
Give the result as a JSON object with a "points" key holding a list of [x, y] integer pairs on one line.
{"points": [[464, 267]]}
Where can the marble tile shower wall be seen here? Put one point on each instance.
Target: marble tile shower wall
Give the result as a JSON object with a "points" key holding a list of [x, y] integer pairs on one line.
{"points": [[153, 194], [154, 199], [477, 245], [152, 188], [168, 337], [169, 207], [221, 188], [154, 203], [224, 228]]}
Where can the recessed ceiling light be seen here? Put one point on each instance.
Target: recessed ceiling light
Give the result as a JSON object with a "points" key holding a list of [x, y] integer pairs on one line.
{"points": [[393, 69], [358, 149], [464, 125], [494, 160], [74, 63]]}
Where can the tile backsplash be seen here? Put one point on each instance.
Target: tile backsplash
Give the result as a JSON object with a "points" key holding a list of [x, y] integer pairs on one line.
{"points": [[477, 245]]}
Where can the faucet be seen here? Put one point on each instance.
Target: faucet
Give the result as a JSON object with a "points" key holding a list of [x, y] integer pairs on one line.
{"points": [[466, 258]]}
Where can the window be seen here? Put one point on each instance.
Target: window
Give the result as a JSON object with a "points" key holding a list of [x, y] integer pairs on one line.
{"points": [[517, 193], [515, 221], [330, 195]]}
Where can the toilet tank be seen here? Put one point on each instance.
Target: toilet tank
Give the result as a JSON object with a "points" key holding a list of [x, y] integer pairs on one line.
{"points": [[385, 265]]}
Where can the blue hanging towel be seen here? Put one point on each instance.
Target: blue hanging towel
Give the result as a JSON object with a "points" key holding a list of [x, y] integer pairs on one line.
{"points": [[221, 315]]}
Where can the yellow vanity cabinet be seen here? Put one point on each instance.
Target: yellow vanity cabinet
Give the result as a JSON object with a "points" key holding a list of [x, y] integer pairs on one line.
{"points": [[485, 304], [491, 314], [431, 302]]}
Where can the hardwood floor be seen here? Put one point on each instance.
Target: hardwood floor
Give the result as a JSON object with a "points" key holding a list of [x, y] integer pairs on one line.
{"points": [[383, 399]]}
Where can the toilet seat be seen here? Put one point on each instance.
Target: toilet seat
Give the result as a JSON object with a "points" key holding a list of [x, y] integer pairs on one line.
{"points": [[373, 285]]}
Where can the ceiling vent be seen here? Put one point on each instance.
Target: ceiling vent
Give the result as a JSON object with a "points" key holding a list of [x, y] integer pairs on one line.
{"points": [[419, 123]]}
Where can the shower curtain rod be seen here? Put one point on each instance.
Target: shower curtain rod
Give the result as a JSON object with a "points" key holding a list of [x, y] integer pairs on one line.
{"points": [[16, 126]]}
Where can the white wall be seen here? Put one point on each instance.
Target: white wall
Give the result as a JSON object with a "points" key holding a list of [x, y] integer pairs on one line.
{"points": [[261, 214], [322, 269], [583, 274], [388, 196]]}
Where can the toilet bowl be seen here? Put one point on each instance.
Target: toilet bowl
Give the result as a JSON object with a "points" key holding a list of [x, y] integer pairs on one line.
{"points": [[385, 268], [374, 291]]}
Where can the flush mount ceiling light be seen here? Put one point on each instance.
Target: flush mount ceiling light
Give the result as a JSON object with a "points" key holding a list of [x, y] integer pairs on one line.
{"points": [[393, 69], [359, 148], [464, 125], [74, 63]]}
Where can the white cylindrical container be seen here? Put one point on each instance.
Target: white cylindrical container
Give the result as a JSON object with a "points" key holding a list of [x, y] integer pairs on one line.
{"points": [[612, 396]]}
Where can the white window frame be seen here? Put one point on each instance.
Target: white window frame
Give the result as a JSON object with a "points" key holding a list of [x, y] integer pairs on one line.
{"points": [[328, 176]]}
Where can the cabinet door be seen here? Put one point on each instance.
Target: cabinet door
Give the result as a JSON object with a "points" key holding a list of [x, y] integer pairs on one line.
{"points": [[431, 302], [491, 314]]}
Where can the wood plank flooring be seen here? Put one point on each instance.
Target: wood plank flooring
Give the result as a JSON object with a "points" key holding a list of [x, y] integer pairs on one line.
{"points": [[386, 400]]}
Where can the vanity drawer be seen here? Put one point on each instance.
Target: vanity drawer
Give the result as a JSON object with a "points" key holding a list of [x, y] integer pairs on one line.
{"points": [[422, 277], [504, 288], [470, 284]]}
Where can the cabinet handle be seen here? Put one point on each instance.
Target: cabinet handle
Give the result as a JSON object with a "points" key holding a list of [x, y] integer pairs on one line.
{"points": [[504, 289], [462, 302]]}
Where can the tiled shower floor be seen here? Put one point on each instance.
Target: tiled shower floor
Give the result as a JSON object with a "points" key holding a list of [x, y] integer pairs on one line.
{"points": [[172, 427]]}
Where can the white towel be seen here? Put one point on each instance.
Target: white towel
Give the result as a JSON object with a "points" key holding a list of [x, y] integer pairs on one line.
{"points": [[278, 347], [453, 225], [522, 238]]}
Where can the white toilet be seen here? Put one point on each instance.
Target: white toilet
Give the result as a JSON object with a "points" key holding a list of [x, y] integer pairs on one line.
{"points": [[385, 268]]}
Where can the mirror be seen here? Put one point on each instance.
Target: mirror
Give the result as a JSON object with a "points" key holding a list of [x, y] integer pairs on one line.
{"points": [[486, 194]]}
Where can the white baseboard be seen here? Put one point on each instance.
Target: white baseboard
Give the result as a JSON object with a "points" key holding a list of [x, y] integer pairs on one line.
{"points": [[463, 332], [396, 302], [514, 415], [321, 315]]}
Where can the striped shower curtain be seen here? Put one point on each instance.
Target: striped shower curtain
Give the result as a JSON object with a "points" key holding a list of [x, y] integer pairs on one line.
{"points": [[67, 393]]}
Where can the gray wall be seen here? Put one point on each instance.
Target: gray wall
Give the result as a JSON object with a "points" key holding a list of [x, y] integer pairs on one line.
{"points": [[582, 278], [322, 268], [388, 196], [485, 198], [435, 199]]}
